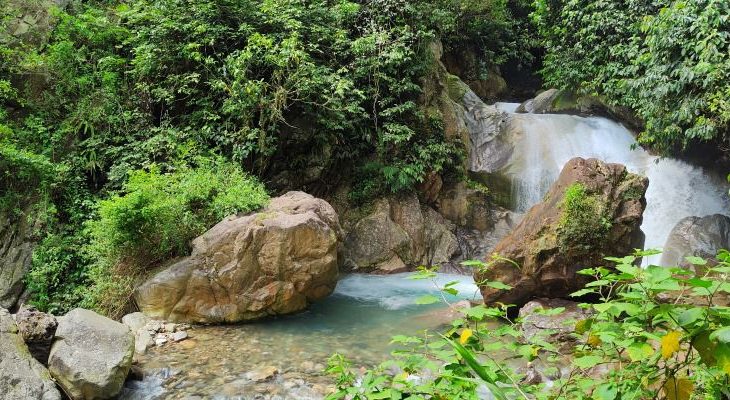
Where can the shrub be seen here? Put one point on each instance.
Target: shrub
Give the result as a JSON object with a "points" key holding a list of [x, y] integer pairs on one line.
{"points": [[25, 178], [155, 218], [659, 332]]}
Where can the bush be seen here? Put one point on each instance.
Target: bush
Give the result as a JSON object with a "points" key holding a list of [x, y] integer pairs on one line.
{"points": [[152, 220], [656, 333], [25, 178], [582, 218]]}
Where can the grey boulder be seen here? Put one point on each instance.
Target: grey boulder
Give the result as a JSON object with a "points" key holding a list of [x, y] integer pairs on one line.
{"points": [[696, 236], [91, 356], [21, 376]]}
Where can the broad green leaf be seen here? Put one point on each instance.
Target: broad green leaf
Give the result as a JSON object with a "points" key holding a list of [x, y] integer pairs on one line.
{"points": [[721, 335], [607, 391], [587, 361], [690, 316], [427, 299], [582, 292], [498, 285], [639, 351], [696, 260], [474, 263], [486, 375], [697, 282]]}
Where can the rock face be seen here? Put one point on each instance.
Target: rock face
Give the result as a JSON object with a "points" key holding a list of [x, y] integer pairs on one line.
{"points": [[21, 376], [91, 356], [558, 237], [695, 236], [554, 101], [399, 233], [272, 262], [16, 249], [31, 21], [37, 329], [488, 85]]}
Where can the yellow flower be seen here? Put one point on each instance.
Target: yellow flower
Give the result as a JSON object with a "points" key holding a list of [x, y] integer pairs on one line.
{"points": [[594, 341], [670, 343], [465, 335]]}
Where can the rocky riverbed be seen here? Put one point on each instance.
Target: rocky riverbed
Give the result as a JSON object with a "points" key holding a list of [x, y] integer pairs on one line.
{"points": [[285, 358]]}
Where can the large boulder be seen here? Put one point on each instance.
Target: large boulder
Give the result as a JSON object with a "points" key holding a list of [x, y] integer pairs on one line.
{"points": [[554, 101], [398, 233], [37, 329], [593, 210], [21, 376], [246, 267], [696, 236], [91, 355]]}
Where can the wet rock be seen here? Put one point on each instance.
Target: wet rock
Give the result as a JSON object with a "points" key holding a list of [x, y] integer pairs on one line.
{"points": [[696, 236], [555, 328], [548, 247], [179, 336], [246, 267], [91, 355], [262, 374], [37, 329], [541, 104], [21, 376], [554, 101]]}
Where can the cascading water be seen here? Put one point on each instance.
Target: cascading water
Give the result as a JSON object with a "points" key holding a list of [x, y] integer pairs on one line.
{"points": [[543, 143]]}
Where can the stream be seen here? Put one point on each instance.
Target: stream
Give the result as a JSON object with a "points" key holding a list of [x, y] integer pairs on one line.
{"points": [[365, 311], [358, 321]]}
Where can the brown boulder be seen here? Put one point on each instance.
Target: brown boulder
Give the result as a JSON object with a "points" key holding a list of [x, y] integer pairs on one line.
{"points": [[593, 210], [272, 262], [398, 234]]}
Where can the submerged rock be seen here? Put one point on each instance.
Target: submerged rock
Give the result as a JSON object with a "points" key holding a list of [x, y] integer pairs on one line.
{"points": [[21, 376], [91, 355], [37, 329], [542, 255], [696, 236], [267, 263]]}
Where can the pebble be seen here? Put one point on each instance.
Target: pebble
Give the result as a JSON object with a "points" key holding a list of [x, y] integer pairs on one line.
{"points": [[179, 336], [262, 374]]}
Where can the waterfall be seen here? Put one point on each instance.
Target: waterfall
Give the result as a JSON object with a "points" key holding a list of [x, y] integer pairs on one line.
{"points": [[541, 144]]}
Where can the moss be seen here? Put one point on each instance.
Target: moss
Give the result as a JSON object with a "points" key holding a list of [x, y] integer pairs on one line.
{"points": [[583, 222], [632, 193], [456, 88]]}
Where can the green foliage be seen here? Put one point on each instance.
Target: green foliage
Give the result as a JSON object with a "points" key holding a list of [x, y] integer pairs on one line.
{"points": [[658, 332], [25, 178], [119, 86], [152, 219], [628, 52], [582, 218], [155, 219]]}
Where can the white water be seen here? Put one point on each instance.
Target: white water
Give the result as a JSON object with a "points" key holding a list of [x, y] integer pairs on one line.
{"points": [[546, 142]]}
